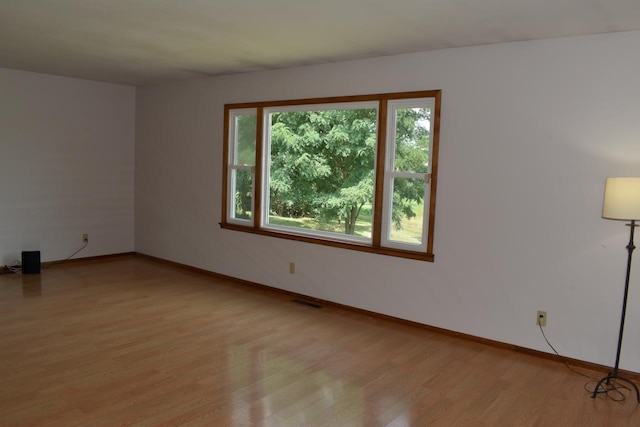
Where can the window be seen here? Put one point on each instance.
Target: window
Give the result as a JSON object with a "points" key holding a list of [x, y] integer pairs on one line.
{"points": [[242, 165], [354, 172]]}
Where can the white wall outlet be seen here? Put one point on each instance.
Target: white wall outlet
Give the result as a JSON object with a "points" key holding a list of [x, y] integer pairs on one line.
{"points": [[541, 319]]}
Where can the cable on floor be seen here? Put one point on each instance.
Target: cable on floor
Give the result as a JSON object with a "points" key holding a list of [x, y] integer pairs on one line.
{"points": [[613, 390]]}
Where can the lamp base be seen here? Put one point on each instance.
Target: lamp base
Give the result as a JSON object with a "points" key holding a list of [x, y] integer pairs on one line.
{"points": [[607, 380]]}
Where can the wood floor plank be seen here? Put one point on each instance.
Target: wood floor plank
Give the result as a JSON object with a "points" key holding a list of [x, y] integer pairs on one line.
{"points": [[130, 341]]}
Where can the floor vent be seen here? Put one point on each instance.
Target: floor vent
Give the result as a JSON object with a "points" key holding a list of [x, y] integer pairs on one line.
{"points": [[307, 303]]}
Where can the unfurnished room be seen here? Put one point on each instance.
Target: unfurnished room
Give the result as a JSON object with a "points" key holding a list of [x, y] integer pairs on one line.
{"points": [[286, 213]]}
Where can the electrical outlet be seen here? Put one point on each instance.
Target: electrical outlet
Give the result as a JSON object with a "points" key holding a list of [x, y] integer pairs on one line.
{"points": [[85, 237], [541, 319], [292, 268]]}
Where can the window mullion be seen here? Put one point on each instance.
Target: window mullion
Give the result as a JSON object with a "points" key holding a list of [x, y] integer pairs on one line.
{"points": [[257, 187], [381, 148]]}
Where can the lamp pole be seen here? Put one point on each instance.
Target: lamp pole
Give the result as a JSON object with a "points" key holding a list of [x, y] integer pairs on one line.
{"points": [[614, 374]]}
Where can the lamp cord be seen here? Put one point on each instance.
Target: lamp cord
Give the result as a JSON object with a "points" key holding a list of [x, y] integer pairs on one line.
{"points": [[562, 358], [612, 389]]}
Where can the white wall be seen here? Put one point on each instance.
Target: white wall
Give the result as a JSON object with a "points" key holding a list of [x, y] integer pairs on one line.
{"points": [[66, 166], [529, 133]]}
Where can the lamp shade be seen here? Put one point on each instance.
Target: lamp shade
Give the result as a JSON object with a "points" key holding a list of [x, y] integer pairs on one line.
{"points": [[622, 198]]}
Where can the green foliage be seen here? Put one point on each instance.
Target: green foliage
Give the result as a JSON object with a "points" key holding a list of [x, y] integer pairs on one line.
{"points": [[246, 155], [322, 163], [412, 140], [246, 129], [411, 155]]}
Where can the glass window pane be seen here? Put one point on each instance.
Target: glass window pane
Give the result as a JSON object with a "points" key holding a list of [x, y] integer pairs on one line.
{"points": [[412, 140], [242, 194], [407, 210], [246, 140], [321, 171]]}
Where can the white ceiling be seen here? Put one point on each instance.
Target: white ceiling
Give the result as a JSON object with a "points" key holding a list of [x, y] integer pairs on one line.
{"points": [[141, 42]]}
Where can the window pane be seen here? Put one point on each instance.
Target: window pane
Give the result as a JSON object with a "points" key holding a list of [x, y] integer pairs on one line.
{"points": [[321, 171], [412, 139], [407, 210], [242, 194], [246, 140]]}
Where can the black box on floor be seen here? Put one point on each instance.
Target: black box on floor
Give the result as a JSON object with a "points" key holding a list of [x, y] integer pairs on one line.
{"points": [[30, 262]]}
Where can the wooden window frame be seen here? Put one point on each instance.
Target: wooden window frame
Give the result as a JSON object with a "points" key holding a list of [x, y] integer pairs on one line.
{"points": [[375, 246]]}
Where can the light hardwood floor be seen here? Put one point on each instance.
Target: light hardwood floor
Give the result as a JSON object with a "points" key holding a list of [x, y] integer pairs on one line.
{"points": [[130, 341]]}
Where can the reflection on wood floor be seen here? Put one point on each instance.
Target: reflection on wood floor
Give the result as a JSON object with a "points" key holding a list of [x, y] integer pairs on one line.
{"points": [[130, 341]]}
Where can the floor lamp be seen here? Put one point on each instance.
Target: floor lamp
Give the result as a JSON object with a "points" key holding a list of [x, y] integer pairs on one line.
{"points": [[621, 202]]}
